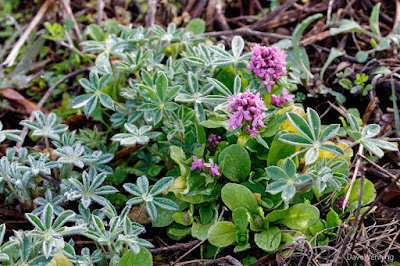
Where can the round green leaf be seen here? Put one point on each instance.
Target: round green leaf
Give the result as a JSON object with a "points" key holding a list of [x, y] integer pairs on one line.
{"points": [[269, 239], [223, 235], [235, 196], [235, 163], [300, 216]]}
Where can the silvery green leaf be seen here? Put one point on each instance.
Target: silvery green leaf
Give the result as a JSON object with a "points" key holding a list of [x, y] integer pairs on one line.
{"points": [[151, 210], [237, 46], [276, 173], [311, 156], [329, 132], [288, 193], [276, 187], [314, 122], [161, 185], [301, 125], [370, 131], [106, 101], [295, 139], [166, 204], [90, 106]]}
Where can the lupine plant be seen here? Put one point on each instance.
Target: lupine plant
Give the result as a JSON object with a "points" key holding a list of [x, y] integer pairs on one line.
{"points": [[183, 128]]}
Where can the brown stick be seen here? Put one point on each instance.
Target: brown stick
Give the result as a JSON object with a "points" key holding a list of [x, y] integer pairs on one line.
{"points": [[44, 99], [14, 52], [272, 15], [202, 241], [68, 9], [245, 32], [151, 12], [176, 247]]}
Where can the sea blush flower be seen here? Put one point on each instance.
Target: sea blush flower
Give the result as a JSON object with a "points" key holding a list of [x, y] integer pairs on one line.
{"points": [[213, 169], [196, 164], [213, 141], [279, 100], [246, 110], [268, 63]]}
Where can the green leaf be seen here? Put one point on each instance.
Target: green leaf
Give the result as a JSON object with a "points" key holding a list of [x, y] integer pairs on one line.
{"points": [[374, 19], [298, 31], [279, 150], [332, 219], [178, 231], [96, 33], [300, 124], [311, 156], [235, 163], [368, 195], [237, 46], [197, 26], [179, 157], [162, 86], [361, 56], [143, 258], [269, 239], [223, 235], [229, 195], [345, 25], [240, 218], [333, 54], [300, 216], [276, 173]]}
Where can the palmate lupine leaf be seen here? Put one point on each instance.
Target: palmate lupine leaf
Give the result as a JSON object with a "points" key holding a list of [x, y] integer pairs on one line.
{"points": [[159, 100], [90, 189], [45, 126], [285, 180], [50, 233], [74, 155], [198, 97], [94, 86], [367, 137], [143, 195], [6, 246], [12, 134], [310, 137], [135, 135]]}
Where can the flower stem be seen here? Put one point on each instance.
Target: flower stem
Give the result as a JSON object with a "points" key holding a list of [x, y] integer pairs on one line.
{"points": [[168, 163], [46, 139], [121, 106], [242, 140], [166, 114], [10, 186], [114, 75], [140, 211]]}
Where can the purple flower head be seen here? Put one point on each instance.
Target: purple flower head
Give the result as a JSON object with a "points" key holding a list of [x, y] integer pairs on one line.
{"points": [[246, 110], [213, 141], [196, 164], [279, 100], [268, 63], [339, 203], [213, 169]]}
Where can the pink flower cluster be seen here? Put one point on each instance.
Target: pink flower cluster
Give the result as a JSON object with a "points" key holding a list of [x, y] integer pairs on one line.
{"points": [[268, 63], [246, 110], [209, 167], [279, 100], [213, 141]]}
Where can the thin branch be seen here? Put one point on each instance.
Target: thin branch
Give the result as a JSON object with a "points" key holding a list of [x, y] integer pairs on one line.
{"points": [[202, 241], [14, 52], [68, 9]]}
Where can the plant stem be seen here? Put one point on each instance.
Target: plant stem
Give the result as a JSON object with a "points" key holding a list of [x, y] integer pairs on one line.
{"points": [[46, 139], [166, 114], [114, 75], [140, 211], [120, 106], [395, 108], [10, 186], [150, 149]]}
